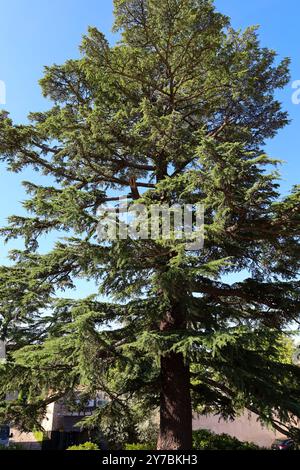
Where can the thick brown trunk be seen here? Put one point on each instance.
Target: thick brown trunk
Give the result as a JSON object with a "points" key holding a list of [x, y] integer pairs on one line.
{"points": [[175, 398], [175, 404]]}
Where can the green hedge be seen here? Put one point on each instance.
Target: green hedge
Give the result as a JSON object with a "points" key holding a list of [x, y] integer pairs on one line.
{"points": [[140, 446], [85, 446], [203, 439], [12, 446]]}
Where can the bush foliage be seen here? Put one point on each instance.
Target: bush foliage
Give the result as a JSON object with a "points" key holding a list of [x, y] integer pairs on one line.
{"points": [[85, 446], [12, 447], [203, 439], [140, 446]]}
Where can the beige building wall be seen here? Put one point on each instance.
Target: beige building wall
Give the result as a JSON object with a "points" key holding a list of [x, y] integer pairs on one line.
{"points": [[244, 428], [47, 422]]}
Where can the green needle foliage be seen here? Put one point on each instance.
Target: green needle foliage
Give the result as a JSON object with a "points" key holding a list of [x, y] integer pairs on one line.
{"points": [[177, 112]]}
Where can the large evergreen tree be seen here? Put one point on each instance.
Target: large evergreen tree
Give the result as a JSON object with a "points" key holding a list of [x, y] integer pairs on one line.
{"points": [[177, 112]]}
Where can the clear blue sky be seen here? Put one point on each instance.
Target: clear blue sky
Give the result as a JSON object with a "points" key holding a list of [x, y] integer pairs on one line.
{"points": [[34, 33]]}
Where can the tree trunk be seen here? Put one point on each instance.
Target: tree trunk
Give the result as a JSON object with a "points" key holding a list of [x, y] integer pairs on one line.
{"points": [[175, 404], [175, 395]]}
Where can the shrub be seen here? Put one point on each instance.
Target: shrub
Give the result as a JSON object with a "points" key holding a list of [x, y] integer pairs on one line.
{"points": [[39, 436], [85, 446], [140, 446], [203, 439], [12, 446]]}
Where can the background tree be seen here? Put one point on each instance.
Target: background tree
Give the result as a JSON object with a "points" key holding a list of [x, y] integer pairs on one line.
{"points": [[177, 112]]}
